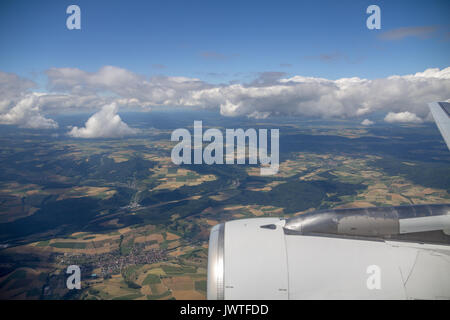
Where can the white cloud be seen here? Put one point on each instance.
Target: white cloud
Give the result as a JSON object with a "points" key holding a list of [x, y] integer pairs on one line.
{"points": [[26, 113], [124, 84], [346, 98], [297, 95], [20, 107], [367, 122], [342, 98], [270, 95], [402, 117], [106, 123]]}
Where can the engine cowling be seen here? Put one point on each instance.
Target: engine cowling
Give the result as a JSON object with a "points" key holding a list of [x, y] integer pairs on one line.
{"points": [[371, 253]]}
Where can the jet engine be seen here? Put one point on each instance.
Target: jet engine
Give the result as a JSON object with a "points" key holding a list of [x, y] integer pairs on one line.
{"points": [[363, 253]]}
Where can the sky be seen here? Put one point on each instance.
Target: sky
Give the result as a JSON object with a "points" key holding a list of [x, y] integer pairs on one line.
{"points": [[222, 54], [224, 40]]}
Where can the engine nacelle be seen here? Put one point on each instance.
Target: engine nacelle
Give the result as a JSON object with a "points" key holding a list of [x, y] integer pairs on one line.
{"points": [[321, 256]]}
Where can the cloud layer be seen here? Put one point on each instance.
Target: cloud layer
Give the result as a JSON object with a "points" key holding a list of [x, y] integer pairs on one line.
{"points": [[271, 94]]}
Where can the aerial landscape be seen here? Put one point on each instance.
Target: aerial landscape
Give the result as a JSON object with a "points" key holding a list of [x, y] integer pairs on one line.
{"points": [[86, 116], [139, 225]]}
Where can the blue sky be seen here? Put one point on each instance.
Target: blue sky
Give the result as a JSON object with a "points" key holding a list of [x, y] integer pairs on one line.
{"points": [[253, 58], [221, 41]]}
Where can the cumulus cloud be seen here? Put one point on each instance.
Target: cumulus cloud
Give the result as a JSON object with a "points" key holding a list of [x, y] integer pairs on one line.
{"points": [[402, 117], [25, 113], [20, 107], [106, 123], [367, 122]]}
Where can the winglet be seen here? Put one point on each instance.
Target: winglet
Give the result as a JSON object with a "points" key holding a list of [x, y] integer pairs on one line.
{"points": [[441, 114]]}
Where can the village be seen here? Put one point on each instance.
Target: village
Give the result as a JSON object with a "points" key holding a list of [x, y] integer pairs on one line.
{"points": [[113, 262]]}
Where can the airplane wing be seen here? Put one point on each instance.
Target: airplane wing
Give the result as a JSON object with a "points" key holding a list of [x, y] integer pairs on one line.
{"points": [[441, 114]]}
